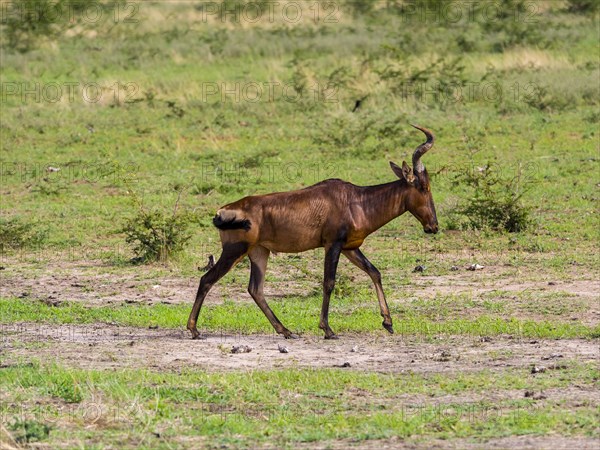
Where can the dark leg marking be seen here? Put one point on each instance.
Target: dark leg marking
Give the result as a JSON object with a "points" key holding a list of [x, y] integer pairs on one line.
{"points": [[231, 255], [332, 257]]}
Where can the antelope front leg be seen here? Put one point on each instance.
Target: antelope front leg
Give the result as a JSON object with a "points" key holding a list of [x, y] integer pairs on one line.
{"points": [[332, 257], [357, 258]]}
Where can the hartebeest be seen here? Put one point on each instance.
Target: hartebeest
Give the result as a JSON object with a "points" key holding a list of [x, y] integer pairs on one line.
{"points": [[333, 214]]}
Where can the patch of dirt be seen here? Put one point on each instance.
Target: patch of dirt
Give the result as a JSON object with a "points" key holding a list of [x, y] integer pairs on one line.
{"points": [[94, 284], [575, 300], [511, 442], [102, 346], [480, 284]]}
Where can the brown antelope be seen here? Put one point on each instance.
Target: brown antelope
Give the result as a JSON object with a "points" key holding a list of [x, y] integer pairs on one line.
{"points": [[333, 214]]}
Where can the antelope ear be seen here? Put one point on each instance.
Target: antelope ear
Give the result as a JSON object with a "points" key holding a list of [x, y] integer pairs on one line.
{"points": [[404, 172]]}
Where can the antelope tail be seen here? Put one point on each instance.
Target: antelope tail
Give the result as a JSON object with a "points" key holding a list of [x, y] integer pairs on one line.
{"points": [[228, 220]]}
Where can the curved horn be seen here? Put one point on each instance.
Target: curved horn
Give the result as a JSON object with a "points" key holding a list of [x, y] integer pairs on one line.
{"points": [[422, 149]]}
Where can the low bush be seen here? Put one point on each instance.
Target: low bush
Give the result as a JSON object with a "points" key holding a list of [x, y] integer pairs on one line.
{"points": [[16, 234], [157, 235], [495, 201]]}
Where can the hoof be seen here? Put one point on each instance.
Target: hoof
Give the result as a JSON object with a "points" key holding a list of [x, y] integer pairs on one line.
{"points": [[292, 336], [199, 337], [331, 336], [196, 334], [388, 327]]}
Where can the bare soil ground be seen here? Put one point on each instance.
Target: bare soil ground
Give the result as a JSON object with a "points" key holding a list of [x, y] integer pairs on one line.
{"points": [[103, 346], [510, 442]]}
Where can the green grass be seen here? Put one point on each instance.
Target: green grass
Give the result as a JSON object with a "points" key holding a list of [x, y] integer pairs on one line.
{"points": [[300, 315], [243, 409]]}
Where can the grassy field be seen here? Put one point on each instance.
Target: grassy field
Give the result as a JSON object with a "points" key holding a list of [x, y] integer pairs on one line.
{"points": [[113, 113]]}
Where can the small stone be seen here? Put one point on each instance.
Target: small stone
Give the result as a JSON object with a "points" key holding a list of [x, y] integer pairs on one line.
{"points": [[474, 267], [419, 268], [454, 268], [443, 356], [534, 396], [282, 349], [354, 349], [153, 327], [241, 349], [538, 369], [346, 364], [552, 356]]}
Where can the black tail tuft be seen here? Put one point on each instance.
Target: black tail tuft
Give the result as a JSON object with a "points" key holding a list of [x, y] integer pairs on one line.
{"points": [[231, 224]]}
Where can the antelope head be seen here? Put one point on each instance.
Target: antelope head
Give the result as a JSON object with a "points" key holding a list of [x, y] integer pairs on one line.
{"points": [[418, 199]]}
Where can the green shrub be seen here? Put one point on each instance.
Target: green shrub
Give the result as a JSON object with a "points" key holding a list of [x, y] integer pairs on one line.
{"points": [[68, 390], [367, 135], [157, 235], [28, 24], [440, 77], [545, 99], [499, 212], [358, 8], [29, 431], [495, 201], [583, 6], [34, 21], [15, 234]]}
